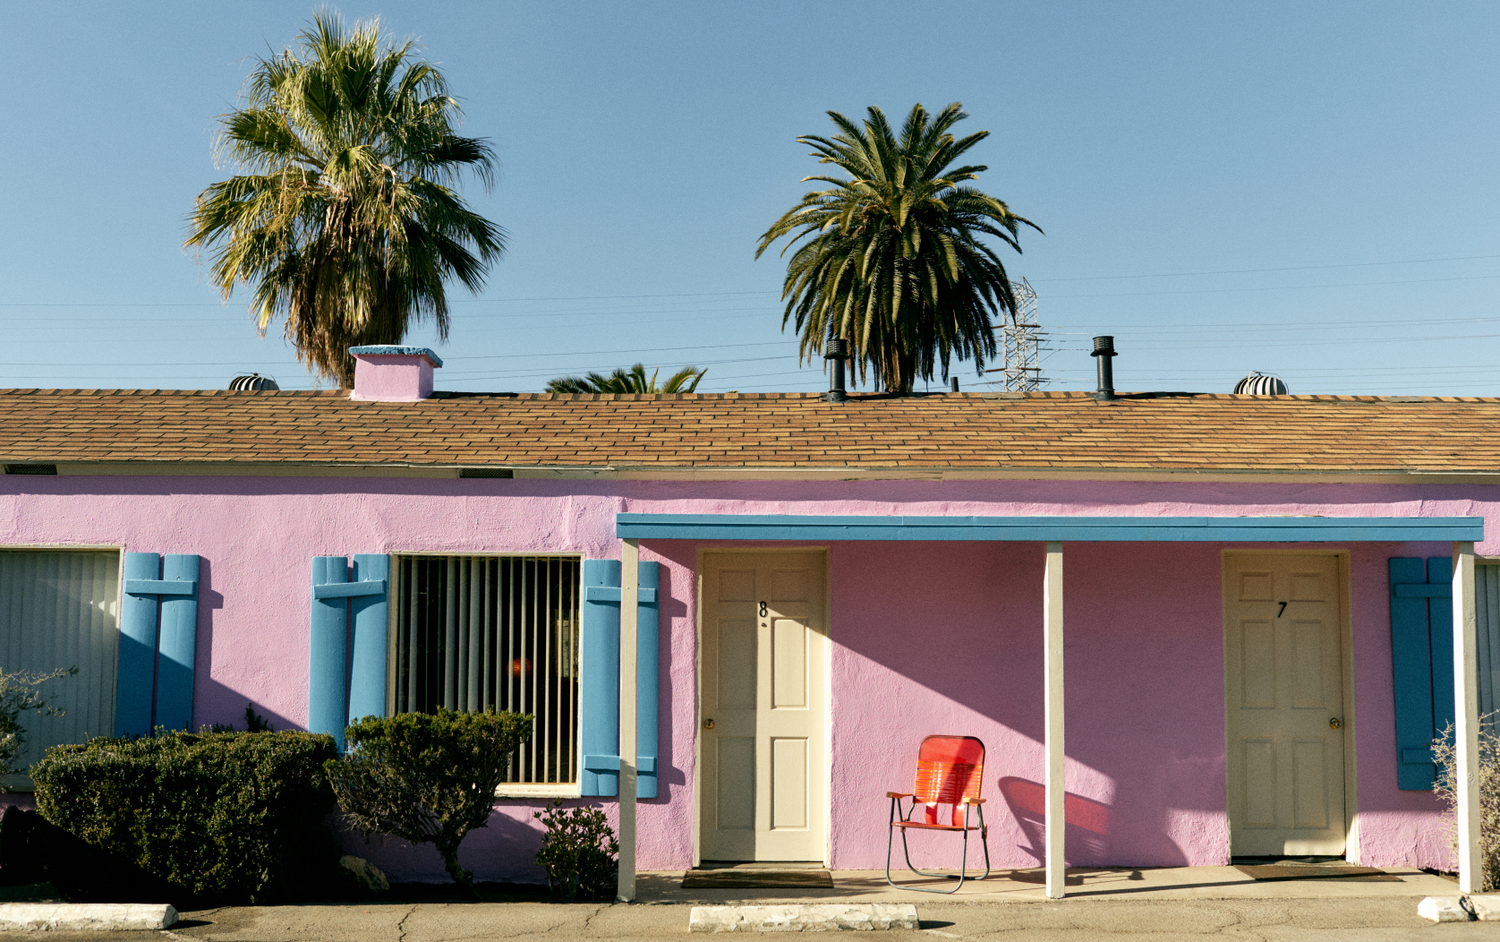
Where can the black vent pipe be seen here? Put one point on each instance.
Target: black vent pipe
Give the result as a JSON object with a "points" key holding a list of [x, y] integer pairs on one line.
{"points": [[836, 350], [1104, 350]]}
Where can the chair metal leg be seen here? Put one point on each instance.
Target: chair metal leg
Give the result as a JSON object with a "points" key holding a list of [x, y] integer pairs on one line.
{"points": [[963, 861]]}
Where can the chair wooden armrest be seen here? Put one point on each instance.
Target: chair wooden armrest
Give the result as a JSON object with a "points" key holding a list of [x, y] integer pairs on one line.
{"points": [[972, 801], [898, 794]]}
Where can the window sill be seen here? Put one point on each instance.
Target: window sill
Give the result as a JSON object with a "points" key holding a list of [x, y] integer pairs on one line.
{"points": [[523, 790]]}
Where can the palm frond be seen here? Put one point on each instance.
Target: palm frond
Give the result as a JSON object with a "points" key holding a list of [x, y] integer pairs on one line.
{"points": [[343, 220], [892, 257]]}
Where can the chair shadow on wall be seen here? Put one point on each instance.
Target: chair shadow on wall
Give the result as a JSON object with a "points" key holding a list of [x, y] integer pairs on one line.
{"points": [[1086, 835]]}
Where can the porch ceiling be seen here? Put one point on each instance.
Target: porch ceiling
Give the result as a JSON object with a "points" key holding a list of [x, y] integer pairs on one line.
{"points": [[645, 526]]}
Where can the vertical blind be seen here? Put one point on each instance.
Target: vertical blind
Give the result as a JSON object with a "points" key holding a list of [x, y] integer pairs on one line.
{"points": [[501, 632], [60, 609], [1487, 610]]}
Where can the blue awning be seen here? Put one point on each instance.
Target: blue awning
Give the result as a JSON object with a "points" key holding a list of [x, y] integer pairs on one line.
{"points": [[643, 526]]}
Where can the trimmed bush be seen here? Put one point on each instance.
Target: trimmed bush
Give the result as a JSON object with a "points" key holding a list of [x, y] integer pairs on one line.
{"points": [[427, 777], [226, 817]]}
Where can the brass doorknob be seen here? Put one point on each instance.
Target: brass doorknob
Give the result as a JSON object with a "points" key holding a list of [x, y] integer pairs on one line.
{"points": [[1335, 723], [708, 724]]}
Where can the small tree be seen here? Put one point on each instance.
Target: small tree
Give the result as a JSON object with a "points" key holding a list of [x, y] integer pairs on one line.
{"points": [[18, 694], [1446, 787], [427, 778]]}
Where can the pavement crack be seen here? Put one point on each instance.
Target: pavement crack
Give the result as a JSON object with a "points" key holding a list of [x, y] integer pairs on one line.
{"points": [[401, 926]]}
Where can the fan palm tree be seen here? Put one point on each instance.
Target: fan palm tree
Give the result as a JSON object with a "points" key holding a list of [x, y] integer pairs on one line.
{"points": [[632, 380], [894, 260], [343, 218]]}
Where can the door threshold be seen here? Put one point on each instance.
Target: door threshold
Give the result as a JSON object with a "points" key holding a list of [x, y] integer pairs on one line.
{"points": [[760, 865]]}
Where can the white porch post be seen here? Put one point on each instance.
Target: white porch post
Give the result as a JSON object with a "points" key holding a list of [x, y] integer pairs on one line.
{"points": [[1466, 722], [630, 590], [1052, 618]]}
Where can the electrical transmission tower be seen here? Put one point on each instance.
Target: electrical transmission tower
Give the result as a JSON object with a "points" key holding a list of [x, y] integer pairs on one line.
{"points": [[1019, 336]]}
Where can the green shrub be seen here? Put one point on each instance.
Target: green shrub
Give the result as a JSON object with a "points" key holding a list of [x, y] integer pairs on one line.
{"points": [[579, 853], [427, 777], [1446, 787], [227, 817]]}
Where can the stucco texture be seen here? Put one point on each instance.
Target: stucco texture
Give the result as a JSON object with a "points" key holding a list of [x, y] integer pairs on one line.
{"points": [[926, 637]]}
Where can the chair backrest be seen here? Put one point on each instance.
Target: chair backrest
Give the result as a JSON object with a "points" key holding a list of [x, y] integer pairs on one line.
{"points": [[949, 769]]}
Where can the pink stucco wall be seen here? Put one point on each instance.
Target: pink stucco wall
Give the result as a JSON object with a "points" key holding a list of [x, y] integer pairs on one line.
{"points": [[926, 637]]}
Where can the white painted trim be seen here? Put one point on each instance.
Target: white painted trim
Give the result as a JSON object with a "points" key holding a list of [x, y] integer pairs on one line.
{"points": [[630, 594], [1053, 725], [697, 711], [1466, 718], [538, 790], [751, 473], [1351, 737]]}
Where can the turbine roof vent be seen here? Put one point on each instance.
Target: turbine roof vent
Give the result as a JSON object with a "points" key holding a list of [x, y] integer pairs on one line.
{"points": [[252, 381], [1260, 384]]}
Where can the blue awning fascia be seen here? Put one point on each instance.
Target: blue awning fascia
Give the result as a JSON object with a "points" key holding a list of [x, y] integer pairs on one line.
{"points": [[639, 526]]}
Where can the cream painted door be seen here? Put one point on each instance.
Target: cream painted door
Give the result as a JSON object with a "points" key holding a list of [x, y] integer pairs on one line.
{"points": [[1284, 685], [763, 706]]}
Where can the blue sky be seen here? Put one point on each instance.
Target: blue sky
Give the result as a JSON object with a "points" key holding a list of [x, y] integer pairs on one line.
{"points": [[1304, 189]]}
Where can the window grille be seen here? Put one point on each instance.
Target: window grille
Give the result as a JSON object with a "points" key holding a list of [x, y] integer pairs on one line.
{"points": [[60, 609], [479, 632]]}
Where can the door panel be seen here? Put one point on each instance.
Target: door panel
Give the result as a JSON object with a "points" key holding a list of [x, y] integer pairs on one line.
{"points": [[1283, 662], [763, 683]]}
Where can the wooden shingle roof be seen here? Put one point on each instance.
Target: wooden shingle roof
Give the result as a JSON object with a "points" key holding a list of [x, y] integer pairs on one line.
{"points": [[979, 432]]}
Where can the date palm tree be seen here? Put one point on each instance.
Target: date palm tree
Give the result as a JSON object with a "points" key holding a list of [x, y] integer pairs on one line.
{"points": [[632, 380], [893, 258], [343, 217]]}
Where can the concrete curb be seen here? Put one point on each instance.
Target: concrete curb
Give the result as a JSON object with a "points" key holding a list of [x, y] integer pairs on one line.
{"points": [[85, 916], [823, 917], [1460, 908]]}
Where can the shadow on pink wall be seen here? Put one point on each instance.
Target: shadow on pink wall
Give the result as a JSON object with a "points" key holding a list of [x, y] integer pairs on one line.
{"points": [[1087, 836]]}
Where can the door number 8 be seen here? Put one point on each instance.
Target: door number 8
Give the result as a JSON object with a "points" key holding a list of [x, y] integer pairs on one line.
{"points": [[763, 610]]}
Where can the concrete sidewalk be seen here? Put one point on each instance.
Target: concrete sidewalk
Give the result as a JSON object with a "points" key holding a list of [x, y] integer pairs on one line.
{"points": [[1170, 904], [1026, 886]]}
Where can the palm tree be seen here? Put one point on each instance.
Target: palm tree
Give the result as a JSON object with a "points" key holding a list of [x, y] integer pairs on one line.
{"points": [[344, 219], [893, 260], [632, 380]]}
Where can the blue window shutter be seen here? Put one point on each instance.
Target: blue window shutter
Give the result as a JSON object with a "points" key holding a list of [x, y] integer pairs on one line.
{"points": [[1440, 631], [179, 642], [1422, 663], [599, 676], [136, 670], [371, 614], [599, 670], [326, 701], [646, 680]]}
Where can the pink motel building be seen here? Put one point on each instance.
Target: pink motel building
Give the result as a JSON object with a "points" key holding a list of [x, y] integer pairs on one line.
{"points": [[1186, 627]]}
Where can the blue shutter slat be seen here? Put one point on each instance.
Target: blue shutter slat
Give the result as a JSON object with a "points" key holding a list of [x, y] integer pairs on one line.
{"points": [[1421, 663], [1440, 635], [646, 681], [599, 688], [326, 700], [1411, 663], [136, 664], [179, 642], [371, 613]]}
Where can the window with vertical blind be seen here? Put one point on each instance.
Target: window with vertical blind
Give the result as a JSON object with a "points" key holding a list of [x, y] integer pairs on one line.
{"points": [[60, 609], [476, 631], [1487, 610]]}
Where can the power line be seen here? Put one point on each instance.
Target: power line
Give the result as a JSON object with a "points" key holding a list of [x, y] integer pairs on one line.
{"points": [[1257, 271]]}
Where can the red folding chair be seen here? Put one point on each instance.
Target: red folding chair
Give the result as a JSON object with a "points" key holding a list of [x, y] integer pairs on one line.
{"points": [[949, 770]]}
